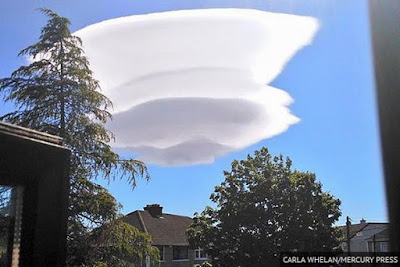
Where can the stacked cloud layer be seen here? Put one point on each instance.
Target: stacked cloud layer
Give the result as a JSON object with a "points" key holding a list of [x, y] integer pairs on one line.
{"points": [[189, 86]]}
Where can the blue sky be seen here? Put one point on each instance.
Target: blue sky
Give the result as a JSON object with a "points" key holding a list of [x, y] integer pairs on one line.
{"points": [[330, 81]]}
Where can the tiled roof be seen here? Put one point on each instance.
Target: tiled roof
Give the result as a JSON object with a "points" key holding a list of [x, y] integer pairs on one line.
{"points": [[355, 228], [168, 229], [384, 234]]}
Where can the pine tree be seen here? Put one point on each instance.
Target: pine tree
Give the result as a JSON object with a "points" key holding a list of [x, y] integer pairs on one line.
{"points": [[57, 94]]}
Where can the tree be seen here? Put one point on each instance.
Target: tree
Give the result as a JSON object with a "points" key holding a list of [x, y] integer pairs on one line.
{"points": [[57, 94], [262, 208]]}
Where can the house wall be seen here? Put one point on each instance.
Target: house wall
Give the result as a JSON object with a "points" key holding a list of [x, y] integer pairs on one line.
{"points": [[359, 242], [169, 262]]}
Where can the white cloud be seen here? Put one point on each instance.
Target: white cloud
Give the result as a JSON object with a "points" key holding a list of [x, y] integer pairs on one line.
{"points": [[189, 86]]}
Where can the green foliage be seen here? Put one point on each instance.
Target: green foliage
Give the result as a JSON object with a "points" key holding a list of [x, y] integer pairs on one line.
{"points": [[120, 244], [57, 94], [204, 264], [263, 208]]}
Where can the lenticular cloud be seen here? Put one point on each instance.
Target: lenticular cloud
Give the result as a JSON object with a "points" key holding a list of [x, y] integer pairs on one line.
{"points": [[189, 86]]}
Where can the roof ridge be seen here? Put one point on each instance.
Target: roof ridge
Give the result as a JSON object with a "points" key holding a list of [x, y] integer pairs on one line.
{"points": [[162, 213], [130, 213], [357, 224], [178, 215], [142, 222]]}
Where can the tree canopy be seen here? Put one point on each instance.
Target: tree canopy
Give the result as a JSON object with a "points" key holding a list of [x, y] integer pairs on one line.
{"points": [[57, 94], [262, 208]]}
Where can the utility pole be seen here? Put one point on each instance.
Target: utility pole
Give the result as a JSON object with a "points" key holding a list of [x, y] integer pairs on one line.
{"points": [[348, 233], [374, 239]]}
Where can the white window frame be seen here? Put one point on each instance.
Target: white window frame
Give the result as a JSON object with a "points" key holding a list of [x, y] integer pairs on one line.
{"points": [[384, 246]]}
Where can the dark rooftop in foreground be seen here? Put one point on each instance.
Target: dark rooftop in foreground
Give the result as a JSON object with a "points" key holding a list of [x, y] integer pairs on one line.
{"points": [[25, 133]]}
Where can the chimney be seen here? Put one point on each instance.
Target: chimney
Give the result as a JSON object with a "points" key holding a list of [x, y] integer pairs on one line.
{"points": [[363, 221], [155, 210]]}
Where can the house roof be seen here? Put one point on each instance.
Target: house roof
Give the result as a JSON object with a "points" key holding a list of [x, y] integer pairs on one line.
{"points": [[384, 234], [355, 228], [168, 229]]}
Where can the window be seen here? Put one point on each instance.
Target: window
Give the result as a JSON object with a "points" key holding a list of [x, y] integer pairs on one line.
{"points": [[200, 254], [371, 246], [10, 224], [162, 252], [180, 253], [384, 246]]}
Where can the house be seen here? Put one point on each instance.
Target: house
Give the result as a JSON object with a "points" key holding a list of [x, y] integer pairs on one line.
{"points": [[168, 235], [366, 237]]}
